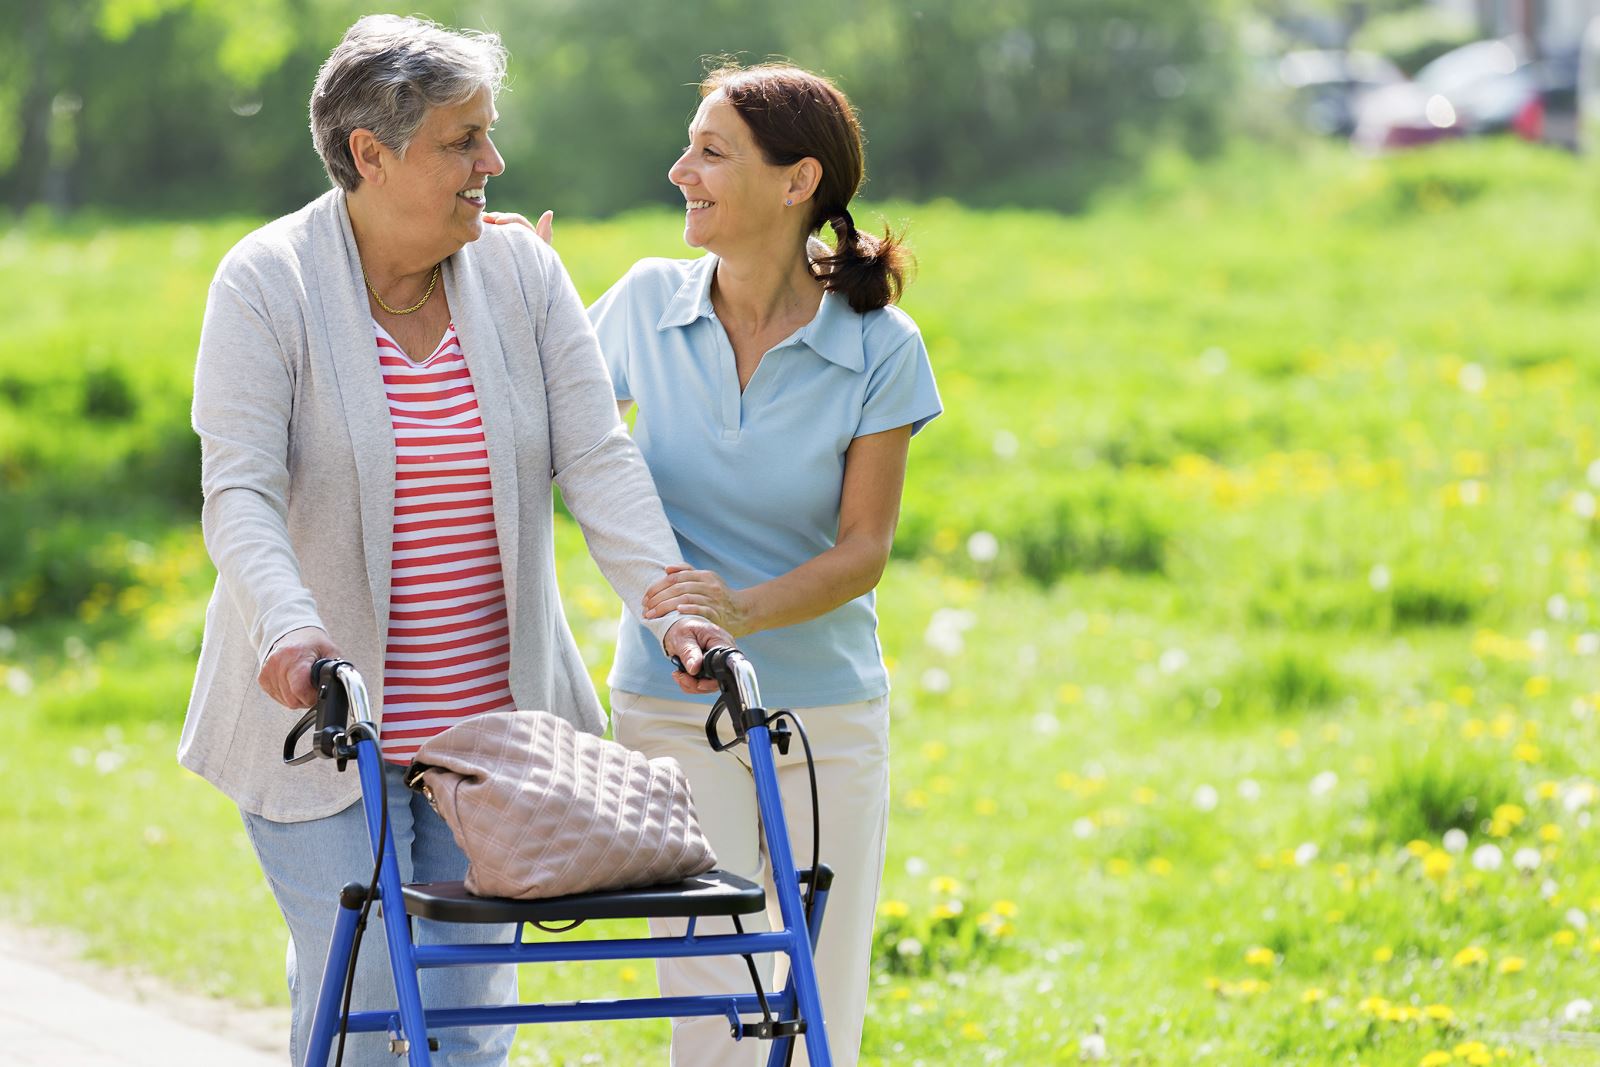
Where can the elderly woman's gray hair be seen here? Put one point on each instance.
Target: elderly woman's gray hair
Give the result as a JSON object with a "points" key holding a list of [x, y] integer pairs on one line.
{"points": [[385, 75]]}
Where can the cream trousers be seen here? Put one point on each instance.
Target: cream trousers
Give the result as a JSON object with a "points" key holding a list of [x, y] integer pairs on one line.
{"points": [[850, 743]]}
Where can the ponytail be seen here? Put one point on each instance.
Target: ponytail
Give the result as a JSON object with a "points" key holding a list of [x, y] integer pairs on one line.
{"points": [[867, 270]]}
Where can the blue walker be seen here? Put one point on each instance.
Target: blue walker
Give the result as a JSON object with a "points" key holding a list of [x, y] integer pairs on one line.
{"points": [[802, 896]]}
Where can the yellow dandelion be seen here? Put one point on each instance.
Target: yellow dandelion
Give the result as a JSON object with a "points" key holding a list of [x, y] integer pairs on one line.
{"points": [[1144, 795], [945, 884], [1066, 780], [947, 909], [1068, 693], [1536, 686], [1550, 832], [1436, 1058], [1288, 739], [1437, 864], [1439, 1013], [1547, 790], [1373, 1005], [1513, 814], [1334, 917], [900, 992], [1461, 696], [1563, 939], [1313, 995], [1265, 861], [1006, 908], [934, 751], [1260, 956], [1526, 752], [973, 1032], [1473, 1052], [1382, 954], [1252, 986], [1418, 847], [1512, 965], [1470, 956], [986, 806], [916, 800], [1159, 866], [895, 909], [1473, 729], [629, 974], [1499, 828], [1118, 867], [1594, 944]]}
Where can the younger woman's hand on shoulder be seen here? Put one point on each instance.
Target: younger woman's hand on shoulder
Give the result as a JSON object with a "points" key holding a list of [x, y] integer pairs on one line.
{"points": [[544, 227], [694, 592]]}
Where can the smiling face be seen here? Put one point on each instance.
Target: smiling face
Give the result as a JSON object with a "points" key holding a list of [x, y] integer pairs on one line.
{"points": [[733, 197], [436, 192]]}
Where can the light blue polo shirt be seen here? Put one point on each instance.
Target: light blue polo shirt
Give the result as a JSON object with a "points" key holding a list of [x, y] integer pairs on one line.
{"points": [[751, 482]]}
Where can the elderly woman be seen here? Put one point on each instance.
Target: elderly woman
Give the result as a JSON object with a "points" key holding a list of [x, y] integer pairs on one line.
{"points": [[384, 400], [780, 371]]}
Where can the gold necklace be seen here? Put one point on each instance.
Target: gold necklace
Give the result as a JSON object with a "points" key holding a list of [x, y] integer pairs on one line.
{"points": [[402, 311]]}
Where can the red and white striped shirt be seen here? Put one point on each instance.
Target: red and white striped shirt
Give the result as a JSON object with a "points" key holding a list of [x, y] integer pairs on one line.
{"points": [[449, 643]]}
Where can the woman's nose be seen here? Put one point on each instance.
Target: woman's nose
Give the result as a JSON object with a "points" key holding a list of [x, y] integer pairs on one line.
{"points": [[680, 173], [493, 163]]}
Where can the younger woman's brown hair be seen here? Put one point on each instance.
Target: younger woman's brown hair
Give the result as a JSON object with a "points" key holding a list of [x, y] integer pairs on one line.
{"points": [[793, 114]]}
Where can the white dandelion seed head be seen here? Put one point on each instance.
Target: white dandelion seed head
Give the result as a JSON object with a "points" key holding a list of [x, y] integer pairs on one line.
{"points": [[1306, 854], [1557, 607], [1214, 361], [1586, 644], [1583, 503], [1092, 1047], [1323, 784], [1083, 827], [1577, 1010], [1577, 918], [1173, 660], [1379, 577], [1249, 789], [1593, 473], [908, 946], [1455, 841], [1578, 796], [1205, 798], [936, 680], [1005, 444], [1526, 859], [916, 866], [1548, 888], [1472, 378], [19, 681], [983, 546], [1488, 857]]}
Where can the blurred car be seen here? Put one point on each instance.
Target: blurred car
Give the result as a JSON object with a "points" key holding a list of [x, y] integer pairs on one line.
{"points": [[1328, 85], [1480, 88]]}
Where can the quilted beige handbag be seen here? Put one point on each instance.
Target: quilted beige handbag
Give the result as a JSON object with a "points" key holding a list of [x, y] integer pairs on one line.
{"points": [[543, 810]]}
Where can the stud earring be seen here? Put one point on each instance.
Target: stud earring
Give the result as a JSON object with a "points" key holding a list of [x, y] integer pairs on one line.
{"points": [[788, 203]]}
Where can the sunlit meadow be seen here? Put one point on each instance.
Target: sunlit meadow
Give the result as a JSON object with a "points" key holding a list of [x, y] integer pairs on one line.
{"points": [[1244, 622]]}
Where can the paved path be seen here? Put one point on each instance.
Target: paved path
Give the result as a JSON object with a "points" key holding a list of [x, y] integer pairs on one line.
{"points": [[58, 1012]]}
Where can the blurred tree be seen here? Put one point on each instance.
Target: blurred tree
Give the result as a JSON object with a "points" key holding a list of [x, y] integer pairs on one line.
{"points": [[195, 106]]}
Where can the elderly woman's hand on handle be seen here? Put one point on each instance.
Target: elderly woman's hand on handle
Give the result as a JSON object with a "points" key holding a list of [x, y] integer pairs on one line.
{"points": [[510, 218], [286, 676], [690, 640]]}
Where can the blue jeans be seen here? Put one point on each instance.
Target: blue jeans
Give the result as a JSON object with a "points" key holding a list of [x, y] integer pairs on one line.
{"points": [[306, 863]]}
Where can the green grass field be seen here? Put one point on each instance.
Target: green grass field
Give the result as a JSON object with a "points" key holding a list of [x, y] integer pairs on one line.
{"points": [[1244, 622]]}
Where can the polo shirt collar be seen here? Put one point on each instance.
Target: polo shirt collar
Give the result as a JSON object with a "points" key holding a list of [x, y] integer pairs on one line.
{"points": [[834, 333]]}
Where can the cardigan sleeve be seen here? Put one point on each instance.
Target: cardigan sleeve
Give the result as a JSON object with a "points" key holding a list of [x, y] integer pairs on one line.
{"points": [[602, 476], [243, 401]]}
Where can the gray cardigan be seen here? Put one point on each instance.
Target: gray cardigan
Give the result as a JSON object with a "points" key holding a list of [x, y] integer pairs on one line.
{"points": [[297, 472]]}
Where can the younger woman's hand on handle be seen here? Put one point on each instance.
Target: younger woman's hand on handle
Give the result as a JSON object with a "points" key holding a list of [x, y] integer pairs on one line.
{"points": [[544, 227]]}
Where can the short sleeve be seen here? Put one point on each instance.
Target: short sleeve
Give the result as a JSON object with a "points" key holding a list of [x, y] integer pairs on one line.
{"points": [[610, 315], [900, 391]]}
